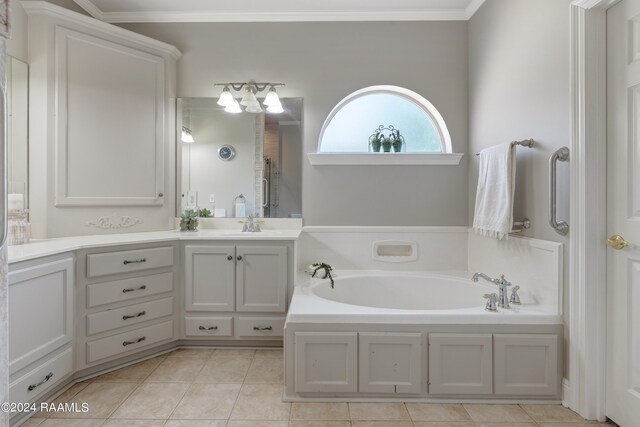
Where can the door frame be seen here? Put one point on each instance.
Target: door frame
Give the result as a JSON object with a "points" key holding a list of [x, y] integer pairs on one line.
{"points": [[585, 391]]}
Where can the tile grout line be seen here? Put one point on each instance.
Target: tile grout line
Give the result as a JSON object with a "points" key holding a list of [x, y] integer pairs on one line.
{"points": [[235, 402]]}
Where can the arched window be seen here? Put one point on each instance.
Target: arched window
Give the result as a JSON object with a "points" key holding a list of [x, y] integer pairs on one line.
{"points": [[388, 125]]}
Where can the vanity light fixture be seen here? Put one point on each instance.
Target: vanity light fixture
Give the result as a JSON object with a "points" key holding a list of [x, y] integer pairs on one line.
{"points": [[233, 108], [187, 135], [275, 109], [249, 99], [226, 97], [272, 98]]}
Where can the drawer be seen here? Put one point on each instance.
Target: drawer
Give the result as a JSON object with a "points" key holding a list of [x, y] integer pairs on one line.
{"points": [[122, 290], [260, 326], [42, 378], [128, 341], [129, 315], [208, 326], [128, 261]]}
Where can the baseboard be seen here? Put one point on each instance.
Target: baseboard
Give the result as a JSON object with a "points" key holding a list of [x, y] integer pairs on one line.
{"points": [[566, 393]]}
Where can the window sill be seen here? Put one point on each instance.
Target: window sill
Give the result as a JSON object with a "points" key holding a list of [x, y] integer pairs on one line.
{"points": [[395, 159]]}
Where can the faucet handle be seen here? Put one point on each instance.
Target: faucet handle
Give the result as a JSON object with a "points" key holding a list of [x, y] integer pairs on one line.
{"points": [[515, 298], [492, 300]]}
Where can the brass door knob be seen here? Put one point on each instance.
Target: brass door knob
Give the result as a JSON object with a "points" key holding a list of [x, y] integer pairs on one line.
{"points": [[617, 242]]}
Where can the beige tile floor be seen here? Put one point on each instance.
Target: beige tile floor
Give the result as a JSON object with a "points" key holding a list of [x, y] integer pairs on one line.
{"points": [[243, 388]]}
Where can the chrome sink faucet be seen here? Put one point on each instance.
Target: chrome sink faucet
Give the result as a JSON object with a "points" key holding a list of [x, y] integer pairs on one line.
{"points": [[252, 224], [502, 283]]}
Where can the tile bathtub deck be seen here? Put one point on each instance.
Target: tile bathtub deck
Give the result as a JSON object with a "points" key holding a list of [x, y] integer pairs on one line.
{"points": [[243, 388]]}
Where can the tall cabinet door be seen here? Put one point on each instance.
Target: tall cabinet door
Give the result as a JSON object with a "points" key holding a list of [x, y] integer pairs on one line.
{"points": [[209, 278], [261, 278]]}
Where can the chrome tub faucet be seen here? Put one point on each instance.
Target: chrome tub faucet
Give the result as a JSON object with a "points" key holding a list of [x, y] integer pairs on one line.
{"points": [[502, 283]]}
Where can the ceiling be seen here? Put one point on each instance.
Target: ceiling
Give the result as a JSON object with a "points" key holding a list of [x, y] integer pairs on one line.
{"points": [[120, 11]]}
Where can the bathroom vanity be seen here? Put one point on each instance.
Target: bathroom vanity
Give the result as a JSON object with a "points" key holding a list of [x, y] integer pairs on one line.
{"points": [[82, 306]]}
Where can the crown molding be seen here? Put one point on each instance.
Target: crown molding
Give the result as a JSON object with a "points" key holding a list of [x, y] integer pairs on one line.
{"points": [[280, 16], [293, 16], [473, 7], [48, 9], [91, 9]]}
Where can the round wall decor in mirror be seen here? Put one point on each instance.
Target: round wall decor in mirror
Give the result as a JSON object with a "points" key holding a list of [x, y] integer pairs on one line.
{"points": [[226, 152]]}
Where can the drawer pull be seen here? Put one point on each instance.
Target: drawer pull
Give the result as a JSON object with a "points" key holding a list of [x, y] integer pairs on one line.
{"points": [[262, 328], [47, 378], [126, 343], [135, 261], [208, 328], [141, 288], [133, 316]]}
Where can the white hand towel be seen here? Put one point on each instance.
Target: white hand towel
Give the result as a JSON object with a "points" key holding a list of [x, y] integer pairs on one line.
{"points": [[493, 215]]}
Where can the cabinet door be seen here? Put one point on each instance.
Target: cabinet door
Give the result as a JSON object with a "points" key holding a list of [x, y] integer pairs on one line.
{"points": [[526, 364], [261, 278], [122, 133], [209, 278], [40, 311], [390, 362], [460, 364], [326, 362]]}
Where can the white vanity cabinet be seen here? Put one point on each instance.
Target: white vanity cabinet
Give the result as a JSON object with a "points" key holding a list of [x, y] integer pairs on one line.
{"points": [[236, 290], [41, 327], [127, 301]]}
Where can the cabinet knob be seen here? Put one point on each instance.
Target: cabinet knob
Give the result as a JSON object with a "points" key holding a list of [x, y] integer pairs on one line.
{"points": [[239, 258], [229, 258]]}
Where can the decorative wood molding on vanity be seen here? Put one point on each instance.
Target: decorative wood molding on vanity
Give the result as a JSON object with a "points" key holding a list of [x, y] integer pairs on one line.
{"points": [[114, 222]]}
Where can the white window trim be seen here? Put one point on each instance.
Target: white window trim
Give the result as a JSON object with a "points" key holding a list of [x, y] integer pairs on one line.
{"points": [[445, 157]]}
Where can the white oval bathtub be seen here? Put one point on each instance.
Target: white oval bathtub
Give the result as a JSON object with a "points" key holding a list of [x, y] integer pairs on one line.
{"points": [[405, 291], [407, 297]]}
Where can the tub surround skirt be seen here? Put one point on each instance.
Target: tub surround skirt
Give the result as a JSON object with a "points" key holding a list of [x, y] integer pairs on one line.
{"points": [[418, 336]]}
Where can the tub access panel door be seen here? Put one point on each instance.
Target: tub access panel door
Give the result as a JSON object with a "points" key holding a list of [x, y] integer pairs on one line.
{"points": [[460, 364], [390, 362]]}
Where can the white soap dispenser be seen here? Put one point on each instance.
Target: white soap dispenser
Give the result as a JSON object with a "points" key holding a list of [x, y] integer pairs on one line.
{"points": [[240, 206]]}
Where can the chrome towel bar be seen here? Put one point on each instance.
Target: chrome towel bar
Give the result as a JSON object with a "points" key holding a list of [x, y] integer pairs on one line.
{"points": [[525, 143], [561, 155]]}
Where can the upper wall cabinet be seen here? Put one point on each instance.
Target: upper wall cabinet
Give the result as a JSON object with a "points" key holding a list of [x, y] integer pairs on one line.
{"points": [[110, 122], [101, 125]]}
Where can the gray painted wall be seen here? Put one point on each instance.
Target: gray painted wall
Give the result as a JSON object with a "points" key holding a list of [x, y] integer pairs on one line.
{"points": [[519, 88], [324, 62]]}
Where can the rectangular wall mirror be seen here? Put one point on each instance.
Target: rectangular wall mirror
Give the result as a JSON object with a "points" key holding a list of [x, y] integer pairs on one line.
{"points": [[223, 155], [18, 133]]}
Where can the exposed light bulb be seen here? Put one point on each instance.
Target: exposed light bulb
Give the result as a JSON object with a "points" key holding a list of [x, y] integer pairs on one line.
{"points": [[233, 108], [271, 98], [226, 97], [275, 109], [187, 136]]}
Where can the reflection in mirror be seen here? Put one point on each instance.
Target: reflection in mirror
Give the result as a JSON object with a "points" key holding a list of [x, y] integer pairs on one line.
{"points": [[258, 156], [17, 132]]}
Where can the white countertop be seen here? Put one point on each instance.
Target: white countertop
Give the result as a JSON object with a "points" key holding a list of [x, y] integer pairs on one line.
{"points": [[40, 248]]}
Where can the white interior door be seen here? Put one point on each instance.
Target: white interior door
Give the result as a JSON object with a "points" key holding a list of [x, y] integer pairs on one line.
{"points": [[623, 213]]}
